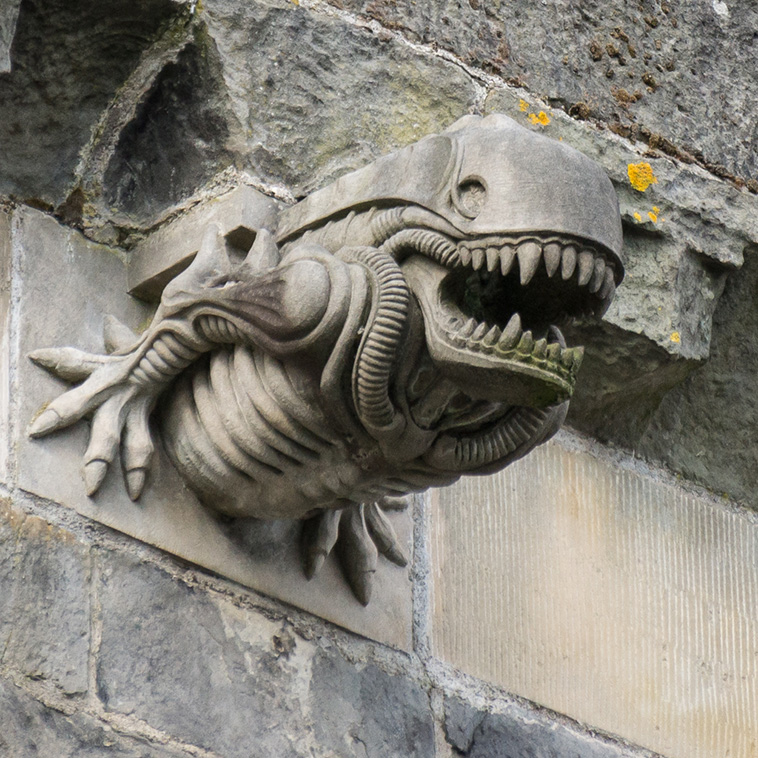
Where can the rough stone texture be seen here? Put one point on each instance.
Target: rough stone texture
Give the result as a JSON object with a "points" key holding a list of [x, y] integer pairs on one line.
{"points": [[479, 734], [31, 729], [44, 601], [177, 140], [317, 97], [660, 71], [8, 18], [68, 59], [708, 427], [604, 594], [5, 339], [682, 236], [169, 654]]}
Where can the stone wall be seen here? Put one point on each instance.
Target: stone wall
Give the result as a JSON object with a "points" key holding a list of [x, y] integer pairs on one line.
{"points": [[584, 603]]}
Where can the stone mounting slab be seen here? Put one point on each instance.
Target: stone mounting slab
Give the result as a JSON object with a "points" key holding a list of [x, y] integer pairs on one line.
{"points": [[61, 271]]}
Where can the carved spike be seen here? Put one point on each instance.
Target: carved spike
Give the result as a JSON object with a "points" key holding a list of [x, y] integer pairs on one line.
{"points": [[507, 256], [556, 334], [493, 258], [493, 335], [526, 343], [479, 332], [264, 254], [552, 253], [598, 277], [529, 256], [468, 328], [117, 336], [211, 258], [609, 284], [465, 255], [477, 258], [511, 333], [553, 352], [586, 265], [384, 535], [540, 348], [568, 262]]}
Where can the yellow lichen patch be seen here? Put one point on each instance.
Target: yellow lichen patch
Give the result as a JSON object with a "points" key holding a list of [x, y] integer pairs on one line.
{"points": [[676, 337], [539, 118], [637, 217], [652, 216], [641, 175], [523, 105]]}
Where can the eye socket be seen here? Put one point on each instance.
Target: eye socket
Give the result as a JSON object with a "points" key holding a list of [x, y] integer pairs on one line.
{"points": [[471, 196]]}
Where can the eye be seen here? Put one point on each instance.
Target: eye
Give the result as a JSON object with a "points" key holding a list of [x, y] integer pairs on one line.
{"points": [[471, 196]]}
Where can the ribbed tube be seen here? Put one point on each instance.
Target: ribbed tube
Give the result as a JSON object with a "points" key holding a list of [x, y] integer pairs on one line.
{"points": [[432, 244]]}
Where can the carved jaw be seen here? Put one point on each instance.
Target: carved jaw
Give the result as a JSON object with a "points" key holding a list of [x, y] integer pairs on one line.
{"points": [[492, 313]]}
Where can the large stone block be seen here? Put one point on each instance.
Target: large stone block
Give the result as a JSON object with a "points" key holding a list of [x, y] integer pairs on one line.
{"points": [[229, 680], [31, 729], [318, 96], [677, 70], [44, 601], [604, 594], [62, 273], [5, 339]]}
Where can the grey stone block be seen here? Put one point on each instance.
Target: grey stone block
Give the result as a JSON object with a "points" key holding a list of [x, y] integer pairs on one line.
{"points": [[229, 680], [31, 729], [640, 67], [317, 96], [477, 734], [44, 601], [5, 340], [68, 59], [8, 18]]}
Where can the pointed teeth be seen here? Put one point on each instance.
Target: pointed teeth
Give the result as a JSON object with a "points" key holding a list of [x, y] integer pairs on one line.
{"points": [[465, 255], [598, 276], [586, 265], [572, 357], [552, 254], [553, 352], [479, 332], [609, 285], [511, 333], [468, 328], [529, 255], [556, 334], [526, 343], [507, 256], [493, 258], [540, 348], [568, 262], [493, 335], [477, 258]]}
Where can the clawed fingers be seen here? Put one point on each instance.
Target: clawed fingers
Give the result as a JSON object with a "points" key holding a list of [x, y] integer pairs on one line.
{"points": [[358, 553], [68, 363], [384, 535], [320, 535], [137, 447]]}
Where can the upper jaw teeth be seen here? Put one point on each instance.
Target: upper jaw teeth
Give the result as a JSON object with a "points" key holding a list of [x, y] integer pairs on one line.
{"points": [[515, 344], [570, 259]]}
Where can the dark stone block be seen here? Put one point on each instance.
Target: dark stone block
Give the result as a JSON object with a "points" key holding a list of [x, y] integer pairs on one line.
{"points": [[477, 734], [44, 601]]}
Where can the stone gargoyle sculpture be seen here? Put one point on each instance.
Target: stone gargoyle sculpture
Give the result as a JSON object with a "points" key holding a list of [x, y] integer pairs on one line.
{"points": [[399, 329]]}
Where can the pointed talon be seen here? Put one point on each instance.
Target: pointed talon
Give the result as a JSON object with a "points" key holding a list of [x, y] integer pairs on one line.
{"points": [[94, 473], [313, 563], [384, 535], [135, 482], [47, 422]]}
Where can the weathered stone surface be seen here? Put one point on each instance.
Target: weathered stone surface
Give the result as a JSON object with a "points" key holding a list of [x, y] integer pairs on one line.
{"points": [[58, 271], [178, 139], [682, 235], [31, 729], [229, 680], [670, 70], [617, 599], [5, 339], [479, 734], [317, 96], [67, 61], [44, 601], [8, 18], [707, 429]]}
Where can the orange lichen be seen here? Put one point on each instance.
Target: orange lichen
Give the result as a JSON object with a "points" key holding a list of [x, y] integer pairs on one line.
{"points": [[539, 118], [641, 175], [652, 216], [637, 217], [676, 337], [523, 105]]}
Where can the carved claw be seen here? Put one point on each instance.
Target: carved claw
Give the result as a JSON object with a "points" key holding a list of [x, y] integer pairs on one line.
{"points": [[360, 533], [120, 409]]}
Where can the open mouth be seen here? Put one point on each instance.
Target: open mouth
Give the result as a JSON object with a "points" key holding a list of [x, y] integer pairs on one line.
{"points": [[502, 303]]}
